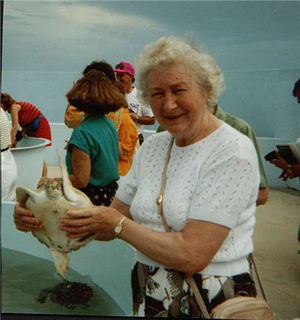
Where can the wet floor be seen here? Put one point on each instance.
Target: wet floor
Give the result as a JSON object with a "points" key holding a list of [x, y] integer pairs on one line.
{"points": [[277, 249]]}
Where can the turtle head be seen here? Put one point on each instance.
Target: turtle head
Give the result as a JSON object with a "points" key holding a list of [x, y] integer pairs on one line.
{"points": [[53, 189]]}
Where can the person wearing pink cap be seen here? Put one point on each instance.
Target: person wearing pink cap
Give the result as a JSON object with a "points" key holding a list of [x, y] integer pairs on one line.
{"points": [[140, 114]]}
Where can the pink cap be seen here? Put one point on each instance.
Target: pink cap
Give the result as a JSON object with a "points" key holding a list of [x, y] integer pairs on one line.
{"points": [[125, 67]]}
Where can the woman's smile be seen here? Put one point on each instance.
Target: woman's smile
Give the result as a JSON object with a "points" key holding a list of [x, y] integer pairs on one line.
{"points": [[171, 117]]}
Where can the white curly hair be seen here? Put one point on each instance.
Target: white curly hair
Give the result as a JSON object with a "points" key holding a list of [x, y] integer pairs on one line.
{"points": [[169, 50]]}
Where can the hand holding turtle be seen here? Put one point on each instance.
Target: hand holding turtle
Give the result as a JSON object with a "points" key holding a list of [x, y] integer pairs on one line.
{"points": [[25, 220], [98, 221]]}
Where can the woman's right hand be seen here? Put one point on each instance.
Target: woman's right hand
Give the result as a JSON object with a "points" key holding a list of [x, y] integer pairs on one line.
{"points": [[25, 221]]}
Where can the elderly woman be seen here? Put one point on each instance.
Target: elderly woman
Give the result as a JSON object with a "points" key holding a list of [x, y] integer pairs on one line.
{"points": [[209, 198]]}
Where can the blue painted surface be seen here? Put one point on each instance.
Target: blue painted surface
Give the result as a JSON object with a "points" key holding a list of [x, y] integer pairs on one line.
{"points": [[46, 45]]}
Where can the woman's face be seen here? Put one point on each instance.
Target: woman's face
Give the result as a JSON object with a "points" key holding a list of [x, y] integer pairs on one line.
{"points": [[178, 103]]}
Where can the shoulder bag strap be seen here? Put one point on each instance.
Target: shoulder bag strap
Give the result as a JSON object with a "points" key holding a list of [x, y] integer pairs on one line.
{"points": [[159, 200], [252, 261], [190, 280]]}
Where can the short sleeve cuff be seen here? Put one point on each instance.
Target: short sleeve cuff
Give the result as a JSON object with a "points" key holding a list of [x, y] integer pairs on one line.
{"points": [[123, 195], [220, 217]]}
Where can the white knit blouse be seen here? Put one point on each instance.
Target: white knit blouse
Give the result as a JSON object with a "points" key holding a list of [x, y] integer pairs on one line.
{"points": [[215, 179], [5, 130]]}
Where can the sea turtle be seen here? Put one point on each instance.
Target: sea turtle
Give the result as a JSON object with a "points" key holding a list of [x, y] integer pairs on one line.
{"points": [[49, 203]]}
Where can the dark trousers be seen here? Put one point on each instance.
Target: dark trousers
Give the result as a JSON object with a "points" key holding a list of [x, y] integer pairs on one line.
{"points": [[141, 139]]}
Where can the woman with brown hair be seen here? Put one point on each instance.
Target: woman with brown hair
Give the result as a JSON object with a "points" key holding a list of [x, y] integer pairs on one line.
{"points": [[93, 150], [28, 116]]}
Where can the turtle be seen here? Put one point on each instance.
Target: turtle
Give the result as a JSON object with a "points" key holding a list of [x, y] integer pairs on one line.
{"points": [[49, 204]]}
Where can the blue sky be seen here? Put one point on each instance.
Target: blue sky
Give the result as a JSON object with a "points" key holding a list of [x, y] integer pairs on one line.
{"points": [[65, 35]]}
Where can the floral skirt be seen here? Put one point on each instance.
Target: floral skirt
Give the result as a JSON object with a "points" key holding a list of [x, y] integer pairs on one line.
{"points": [[101, 196], [161, 292]]}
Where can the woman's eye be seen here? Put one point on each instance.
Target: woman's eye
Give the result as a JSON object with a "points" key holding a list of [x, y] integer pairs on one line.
{"points": [[179, 90], [156, 94]]}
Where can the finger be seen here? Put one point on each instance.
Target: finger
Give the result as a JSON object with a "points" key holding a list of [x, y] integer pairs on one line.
{"points": [[66, 222], [26, 218], [28, 224], [77, 230], [80, 213], [29, 228], [21, 211]]}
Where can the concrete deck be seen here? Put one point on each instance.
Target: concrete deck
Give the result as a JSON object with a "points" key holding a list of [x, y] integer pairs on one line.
{"points": [[277, 249]]}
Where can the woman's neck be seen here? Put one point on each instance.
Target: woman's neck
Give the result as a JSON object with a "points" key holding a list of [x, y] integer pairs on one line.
{"points": [[210, 124]]}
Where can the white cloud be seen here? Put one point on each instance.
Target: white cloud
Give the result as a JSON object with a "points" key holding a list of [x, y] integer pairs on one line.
{"points": [[93, 16]]}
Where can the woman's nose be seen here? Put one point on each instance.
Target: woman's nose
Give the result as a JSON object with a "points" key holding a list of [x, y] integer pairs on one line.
{"points": [[169, 102]]}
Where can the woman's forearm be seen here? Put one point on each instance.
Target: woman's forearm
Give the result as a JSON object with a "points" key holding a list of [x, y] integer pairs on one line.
{"points": [[158, 246], [189, 251]]}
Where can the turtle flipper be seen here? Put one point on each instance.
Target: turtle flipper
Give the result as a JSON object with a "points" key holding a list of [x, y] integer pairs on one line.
{"points": [[61, 261], [69, 191], [23, 193]]}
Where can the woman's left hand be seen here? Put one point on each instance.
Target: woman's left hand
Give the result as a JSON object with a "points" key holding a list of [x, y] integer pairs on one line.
{"points": [[98, 221]]}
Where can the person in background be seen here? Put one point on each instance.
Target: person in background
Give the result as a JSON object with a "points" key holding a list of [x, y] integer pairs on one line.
{"points": [[243, 127], [209, 200], [128, 135], [140, 114], [296, 90], [93, 150], [8, 164], [28, 116], [127, 131], [74, 117], [290, 171]]}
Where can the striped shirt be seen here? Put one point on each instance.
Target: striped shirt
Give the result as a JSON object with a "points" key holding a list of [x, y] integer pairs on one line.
{"points": [[27, 113], [5, 130]]}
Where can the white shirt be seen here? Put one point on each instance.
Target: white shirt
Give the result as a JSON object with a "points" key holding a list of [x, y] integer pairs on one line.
{"points": [[5, 130], [136, 107], [215, 179]]}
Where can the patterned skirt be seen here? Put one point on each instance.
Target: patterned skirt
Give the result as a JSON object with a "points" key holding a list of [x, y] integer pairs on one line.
{"points": [[161, 292], [101, 196]]}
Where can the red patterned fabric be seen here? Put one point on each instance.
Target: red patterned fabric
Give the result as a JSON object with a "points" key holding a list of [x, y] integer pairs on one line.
{"points": [[27, 113], [30, 112]]}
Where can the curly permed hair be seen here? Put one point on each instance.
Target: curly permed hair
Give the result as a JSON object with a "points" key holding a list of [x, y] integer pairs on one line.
{"points": [[169, 50]]}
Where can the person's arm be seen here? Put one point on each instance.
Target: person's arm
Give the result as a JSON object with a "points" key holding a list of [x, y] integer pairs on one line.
{"points": [[146, 120], [81, 166], [263, 193], [14, 111], [289, 171], [195, 246], [128, 136], [295, 170]]}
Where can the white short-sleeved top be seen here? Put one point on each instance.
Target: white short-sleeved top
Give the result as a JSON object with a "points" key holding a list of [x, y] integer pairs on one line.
{"points": [[215, 179], [137, 107], [5, 130]]}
